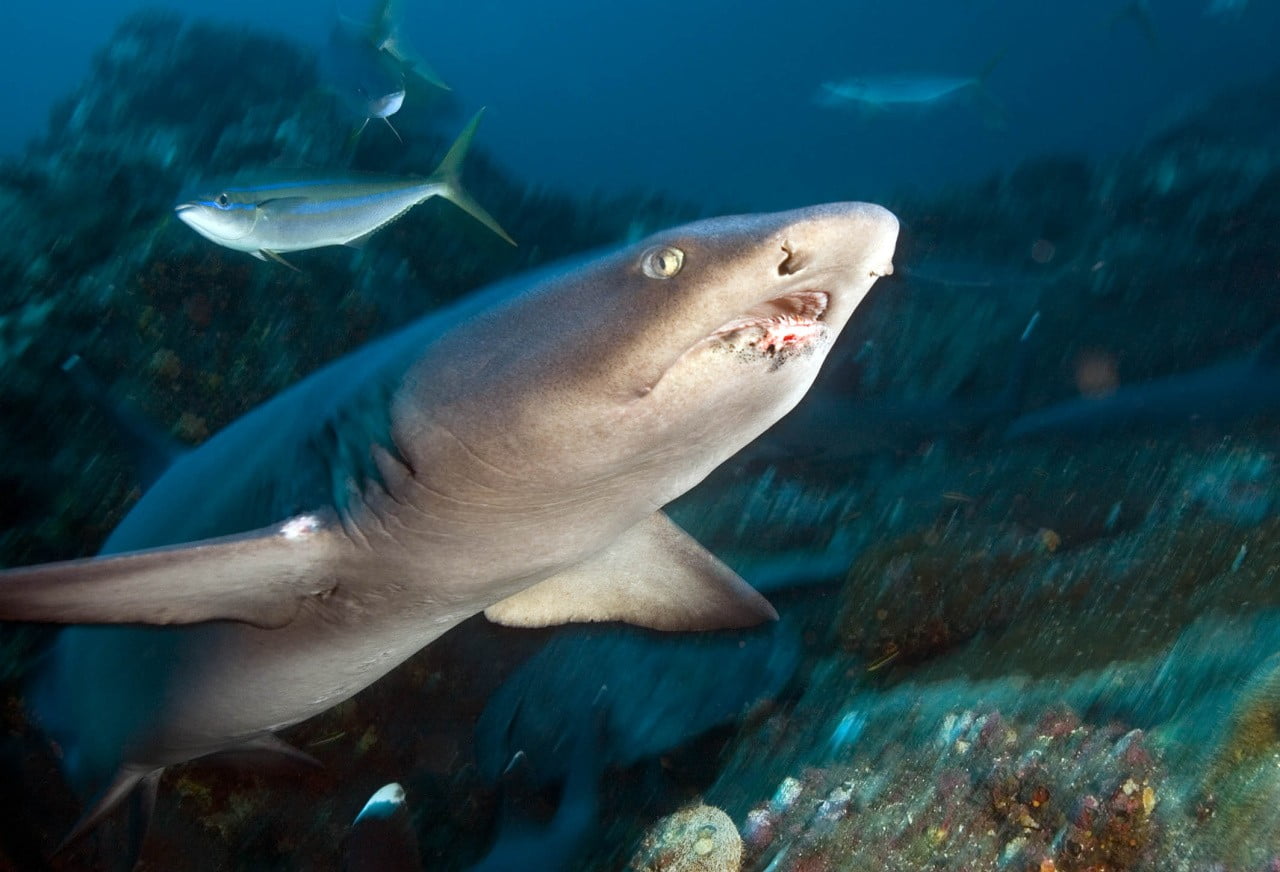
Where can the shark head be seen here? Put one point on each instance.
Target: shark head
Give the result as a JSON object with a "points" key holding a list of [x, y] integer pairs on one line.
{"points": [[645, 369]]}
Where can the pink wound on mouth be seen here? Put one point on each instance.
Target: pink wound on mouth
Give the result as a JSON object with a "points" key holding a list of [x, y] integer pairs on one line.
{"points": [[788, 333]]}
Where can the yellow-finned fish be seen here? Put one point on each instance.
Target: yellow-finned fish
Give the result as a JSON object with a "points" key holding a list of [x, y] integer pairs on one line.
{"points": [[299, 211]]}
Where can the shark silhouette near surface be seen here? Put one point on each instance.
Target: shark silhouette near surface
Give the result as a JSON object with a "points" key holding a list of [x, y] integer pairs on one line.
{"points": [[508, 455]]}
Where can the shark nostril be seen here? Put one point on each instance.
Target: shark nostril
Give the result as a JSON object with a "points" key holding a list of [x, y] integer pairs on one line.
{"points": [[792, 263]]}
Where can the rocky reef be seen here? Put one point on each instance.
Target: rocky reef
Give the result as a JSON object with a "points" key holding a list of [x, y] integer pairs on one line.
{"points": [[997, 652]]}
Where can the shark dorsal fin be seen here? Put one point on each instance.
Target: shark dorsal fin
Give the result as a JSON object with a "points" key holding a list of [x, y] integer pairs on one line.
{"points": [[654, 575]]}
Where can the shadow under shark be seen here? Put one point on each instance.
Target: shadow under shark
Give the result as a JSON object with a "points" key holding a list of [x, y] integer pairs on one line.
{"points": [[507, 455]]}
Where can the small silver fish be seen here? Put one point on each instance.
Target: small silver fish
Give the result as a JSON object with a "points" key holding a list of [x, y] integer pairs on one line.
{"points": [[300, 211], [362, 75]]}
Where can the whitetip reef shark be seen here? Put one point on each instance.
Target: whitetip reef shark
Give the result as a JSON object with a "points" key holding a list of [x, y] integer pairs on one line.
{"points": [[508, 455]]}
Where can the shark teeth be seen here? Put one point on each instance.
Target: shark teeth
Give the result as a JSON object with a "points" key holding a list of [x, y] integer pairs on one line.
{"points": [[781, 323]]}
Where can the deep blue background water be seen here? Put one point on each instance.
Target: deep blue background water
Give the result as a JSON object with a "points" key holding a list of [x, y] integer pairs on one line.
{"points": [[710, 100]]}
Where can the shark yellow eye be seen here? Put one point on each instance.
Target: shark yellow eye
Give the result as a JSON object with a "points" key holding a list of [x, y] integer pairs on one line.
{"points": [[662, 262]]}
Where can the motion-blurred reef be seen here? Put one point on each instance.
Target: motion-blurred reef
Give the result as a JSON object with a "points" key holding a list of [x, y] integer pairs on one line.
{"points": [[996, 653]]}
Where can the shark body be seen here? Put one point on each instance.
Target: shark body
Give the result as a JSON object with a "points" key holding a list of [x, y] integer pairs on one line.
{"points": [[1222, 392], [903, 91], [508, 455]]}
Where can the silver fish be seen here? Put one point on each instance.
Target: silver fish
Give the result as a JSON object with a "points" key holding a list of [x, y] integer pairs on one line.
{"points": [[364, 76], [305, 211]]}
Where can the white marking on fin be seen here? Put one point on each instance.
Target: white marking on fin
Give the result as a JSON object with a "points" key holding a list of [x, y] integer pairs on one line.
{"points": [[300, 527]]}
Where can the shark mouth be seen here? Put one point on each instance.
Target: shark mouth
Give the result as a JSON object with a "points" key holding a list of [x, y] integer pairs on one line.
{"points": [[784, 324]]}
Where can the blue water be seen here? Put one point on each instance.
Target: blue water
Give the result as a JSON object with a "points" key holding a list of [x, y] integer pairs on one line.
{"points": [[711, 100]]}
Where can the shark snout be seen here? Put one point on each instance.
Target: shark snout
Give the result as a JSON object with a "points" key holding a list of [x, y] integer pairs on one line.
{"points": [[848, 240]]}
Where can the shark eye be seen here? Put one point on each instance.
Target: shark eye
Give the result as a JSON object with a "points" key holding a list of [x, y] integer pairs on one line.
{"points": [[223, 201], [662, 262]]}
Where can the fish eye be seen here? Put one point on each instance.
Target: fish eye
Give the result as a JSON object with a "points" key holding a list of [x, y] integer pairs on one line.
{"points": [[662, 262], [223, 200]]}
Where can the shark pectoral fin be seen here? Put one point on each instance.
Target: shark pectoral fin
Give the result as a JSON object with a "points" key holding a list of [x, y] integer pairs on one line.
{"points": [[258, 578], [654, 575]]}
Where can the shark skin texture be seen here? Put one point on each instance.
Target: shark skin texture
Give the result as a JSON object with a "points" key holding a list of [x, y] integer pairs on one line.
{"points": [[509, 455]]}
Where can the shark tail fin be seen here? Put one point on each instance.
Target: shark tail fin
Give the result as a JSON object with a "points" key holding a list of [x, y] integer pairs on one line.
{"points": [[449, 176]]}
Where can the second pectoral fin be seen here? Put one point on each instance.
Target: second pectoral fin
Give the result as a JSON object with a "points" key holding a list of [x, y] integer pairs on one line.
{"points": [[654, 575]]}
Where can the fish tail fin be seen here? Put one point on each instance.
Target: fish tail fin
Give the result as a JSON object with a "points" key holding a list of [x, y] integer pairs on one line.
{"points": [[1139, 13], [993, 109], [384, 35], [448, 176], [989, 67], [414, 65]]}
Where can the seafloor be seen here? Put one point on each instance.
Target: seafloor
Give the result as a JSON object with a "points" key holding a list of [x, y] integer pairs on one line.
{"points": [[1005, 644]]}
